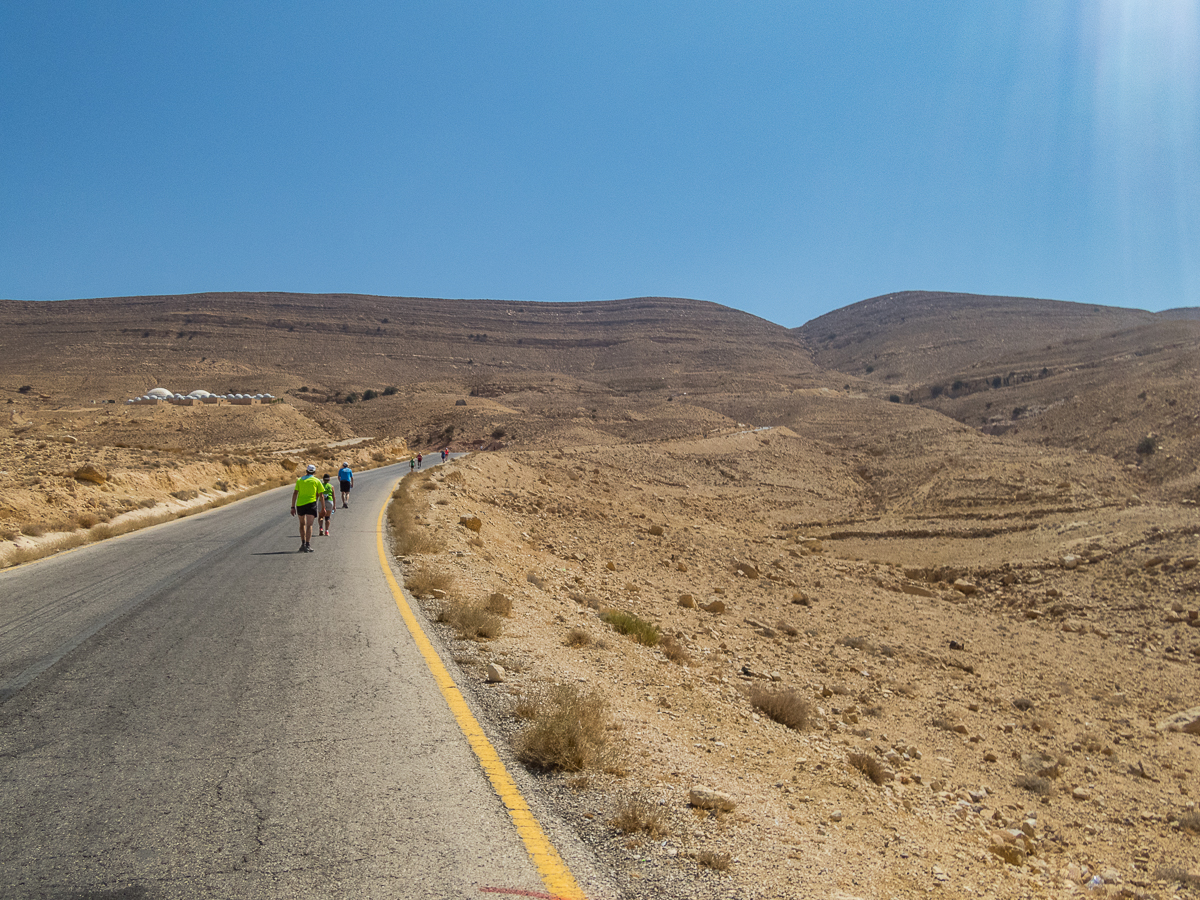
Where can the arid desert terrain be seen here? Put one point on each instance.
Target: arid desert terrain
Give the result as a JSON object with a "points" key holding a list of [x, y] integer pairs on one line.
{"points": [[898, 603]]}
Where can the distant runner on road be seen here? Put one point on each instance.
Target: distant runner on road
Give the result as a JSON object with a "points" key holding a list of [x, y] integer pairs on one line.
{"points": [[419, 460], [346, 481], [445, 453], [326, 507], [304, 505]]}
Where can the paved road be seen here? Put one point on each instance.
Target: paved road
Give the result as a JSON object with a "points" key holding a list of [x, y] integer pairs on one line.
{"points": [[197, 710]]}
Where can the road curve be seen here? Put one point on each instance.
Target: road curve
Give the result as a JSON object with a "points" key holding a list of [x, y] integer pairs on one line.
{"points": [[197, 710]]}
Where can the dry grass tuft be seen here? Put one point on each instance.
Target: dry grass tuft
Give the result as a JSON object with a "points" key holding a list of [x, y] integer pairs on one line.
{"points": [[718, 862], [423, 580], [675, 651], [783, 706], [472, 622], [1190, 821], [1035, 784], [499, 604], [568, 732], [869, 766], [578, 637], [636, 815]]}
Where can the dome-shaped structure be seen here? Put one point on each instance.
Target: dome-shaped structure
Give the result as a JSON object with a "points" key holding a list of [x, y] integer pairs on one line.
{"points": [[199, 395], [159, 393]]}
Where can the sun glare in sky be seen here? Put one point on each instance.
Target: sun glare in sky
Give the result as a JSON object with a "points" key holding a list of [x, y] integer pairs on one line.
{"points": [[1144, 58]]}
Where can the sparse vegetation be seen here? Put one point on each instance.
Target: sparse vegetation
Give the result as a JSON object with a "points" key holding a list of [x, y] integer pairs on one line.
{"points": [[782, 705], [1035, 784], [718, 862], [674, 651], [499, 604], [578, 637], [471, 621], [868, 765], [568, 732], [627, 623], [641, 816], [424, 579], [1147, 445]]}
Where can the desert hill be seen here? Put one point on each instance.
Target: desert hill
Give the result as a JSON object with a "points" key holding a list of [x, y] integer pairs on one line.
{"points": [[1096, 379], [100, 348]]}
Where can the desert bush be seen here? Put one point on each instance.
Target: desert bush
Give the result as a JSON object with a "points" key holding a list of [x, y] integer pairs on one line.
{"points": [[499, 604], [1035, 784], [568, 731], [25, 389], [390, 390], [578, 637], [1147, 445], [855, 643], [636, 815], [472, 622], [674, 651], [868, 765], [787, 628], [783, 706], [498, 433], [710, 859], [32, 529], [1176, 875], [370, 394], [87, 519], [1190, 821], [627, 623], [893, 398], [424, 580], [943, 723], [535, 579]]}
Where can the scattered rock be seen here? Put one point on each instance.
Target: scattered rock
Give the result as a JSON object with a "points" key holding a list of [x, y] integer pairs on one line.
{"points": [[1187, 721], [716, 607], [964, 587], [92, 472], [746, 569], [707, 798], [496, 674], [474, 523], [687, 601], [1069, 561]]}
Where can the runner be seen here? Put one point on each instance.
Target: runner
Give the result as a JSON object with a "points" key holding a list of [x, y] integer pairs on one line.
{"points": [[325, 509], [304, 506], [346, 479], [445, 453], [419, 458], [412, 464]]}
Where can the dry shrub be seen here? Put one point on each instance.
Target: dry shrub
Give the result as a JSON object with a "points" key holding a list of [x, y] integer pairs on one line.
{"points": [[627, 623], [868, 765], [635, 815], [476, 541], [787, 628], [32, 529], [535, 579], [8, 534], [718, 862], [1190, 821], [1035, 784], [856, 643], [499, 604], [423, 580], [674, 651], [578, 637], [783, 706], [471, 621], [1176, 875], [148, 503], [568, 731], [87, 519]]}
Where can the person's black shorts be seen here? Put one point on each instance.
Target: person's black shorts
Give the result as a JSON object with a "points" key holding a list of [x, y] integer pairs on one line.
{"points": [[308, 509], [345, 487]]}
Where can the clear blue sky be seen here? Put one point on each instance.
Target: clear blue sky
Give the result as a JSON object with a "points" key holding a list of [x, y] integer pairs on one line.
{"points": [[782, 158]]}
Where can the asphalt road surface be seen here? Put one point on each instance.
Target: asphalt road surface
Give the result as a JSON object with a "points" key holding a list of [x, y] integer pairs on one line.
{"points": [[198, 710]]}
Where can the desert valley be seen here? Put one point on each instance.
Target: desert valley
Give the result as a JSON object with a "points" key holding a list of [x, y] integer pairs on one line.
{"points": [[903, 602]]}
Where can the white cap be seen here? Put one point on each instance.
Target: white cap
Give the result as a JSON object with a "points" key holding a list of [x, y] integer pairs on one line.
{"points": [[312, 468]]}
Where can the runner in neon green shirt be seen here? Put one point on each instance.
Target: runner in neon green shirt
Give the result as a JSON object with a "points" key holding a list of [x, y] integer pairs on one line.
{"points": [[325, 508], [304, 505]]}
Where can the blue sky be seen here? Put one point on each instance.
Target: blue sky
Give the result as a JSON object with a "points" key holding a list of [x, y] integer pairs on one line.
{"points": [[782, 158]]}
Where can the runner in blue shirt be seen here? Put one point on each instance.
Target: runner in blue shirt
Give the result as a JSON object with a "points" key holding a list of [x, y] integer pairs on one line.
{"points": [[346, 479]]}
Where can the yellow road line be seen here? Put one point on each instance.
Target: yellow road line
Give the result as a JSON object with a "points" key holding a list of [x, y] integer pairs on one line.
{"points": [[555, 875]]}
